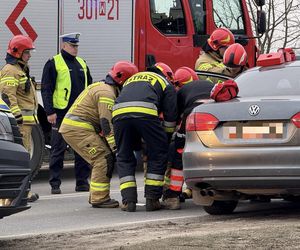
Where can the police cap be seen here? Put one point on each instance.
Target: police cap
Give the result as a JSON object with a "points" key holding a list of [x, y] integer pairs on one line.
{"points": [[72, 38]]}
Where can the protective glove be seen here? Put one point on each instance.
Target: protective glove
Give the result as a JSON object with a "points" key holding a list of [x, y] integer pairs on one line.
{"points": [[27, 86], [19, 119], [110, 160]]}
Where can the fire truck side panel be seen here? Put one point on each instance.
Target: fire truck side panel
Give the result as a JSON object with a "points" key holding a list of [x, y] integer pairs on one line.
{"points": [[106, 28], [42, 17]]}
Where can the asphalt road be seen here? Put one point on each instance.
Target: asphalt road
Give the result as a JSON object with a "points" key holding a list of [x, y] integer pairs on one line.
{"points": [[70, 211]]}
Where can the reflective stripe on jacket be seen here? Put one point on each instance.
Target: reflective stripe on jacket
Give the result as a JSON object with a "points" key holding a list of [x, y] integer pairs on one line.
{"points": [[147, 94], [92, 110], [62, 90], [19, 93], [211, 62]]}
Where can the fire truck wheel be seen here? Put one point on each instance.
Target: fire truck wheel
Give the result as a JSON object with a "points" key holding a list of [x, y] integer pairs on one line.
{"points": [[37, 150]]}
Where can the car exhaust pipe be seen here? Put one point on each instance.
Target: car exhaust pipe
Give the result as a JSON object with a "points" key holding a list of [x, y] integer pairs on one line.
{"points": [[203, 192], [222, 195], [211, 193]]}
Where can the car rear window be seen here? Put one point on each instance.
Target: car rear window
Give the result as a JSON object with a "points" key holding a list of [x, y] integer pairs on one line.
{"points": [[270, 82]]}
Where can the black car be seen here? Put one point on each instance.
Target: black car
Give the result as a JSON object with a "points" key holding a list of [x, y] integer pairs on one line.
{"points": [[14, 166]]}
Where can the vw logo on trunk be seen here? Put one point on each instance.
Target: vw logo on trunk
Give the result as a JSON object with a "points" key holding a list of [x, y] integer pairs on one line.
{"points": [[254, 110]]}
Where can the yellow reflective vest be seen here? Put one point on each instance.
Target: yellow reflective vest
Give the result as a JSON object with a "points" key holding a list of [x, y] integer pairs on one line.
{"points": [[62, 90]]}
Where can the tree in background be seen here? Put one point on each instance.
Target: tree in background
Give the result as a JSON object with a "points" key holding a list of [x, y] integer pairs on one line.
{"points": [[283, 24]]}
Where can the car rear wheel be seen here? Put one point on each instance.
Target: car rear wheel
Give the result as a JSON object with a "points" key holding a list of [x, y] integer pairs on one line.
{"points": [[221, 207], [37, 150]]}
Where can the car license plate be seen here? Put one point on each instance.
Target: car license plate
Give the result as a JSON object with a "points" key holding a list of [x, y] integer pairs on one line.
{"points": [[253, 130]]}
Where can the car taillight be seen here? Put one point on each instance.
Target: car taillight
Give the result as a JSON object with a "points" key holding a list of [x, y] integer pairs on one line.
{"points": [[296, 120], [201, 122]]}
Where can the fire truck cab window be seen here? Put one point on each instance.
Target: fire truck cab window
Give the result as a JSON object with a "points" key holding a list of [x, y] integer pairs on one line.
{"points": [[198, 14], [168, 16], [229, 13]]}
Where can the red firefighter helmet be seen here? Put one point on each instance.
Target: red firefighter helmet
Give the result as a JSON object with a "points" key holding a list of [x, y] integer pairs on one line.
{"points": [[122, 70], [184, 75], [221, 37], [235, 55], [166, 70], [224, 91], [18, 44]]}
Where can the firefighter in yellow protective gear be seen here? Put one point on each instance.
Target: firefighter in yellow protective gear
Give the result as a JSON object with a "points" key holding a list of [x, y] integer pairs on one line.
{"points": [[211, 58], [18, 90], [87, 128]]}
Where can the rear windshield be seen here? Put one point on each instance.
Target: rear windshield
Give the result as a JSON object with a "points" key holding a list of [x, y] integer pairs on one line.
{"points": [[275, 82]]}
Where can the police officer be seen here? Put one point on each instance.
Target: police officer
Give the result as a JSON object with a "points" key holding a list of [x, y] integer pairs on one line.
{"points": [[65, 76], [18, 90], [135, 116], [211, 58], [88, 130]]}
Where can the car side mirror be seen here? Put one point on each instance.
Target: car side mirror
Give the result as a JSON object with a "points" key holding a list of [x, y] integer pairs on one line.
{"points": [[261, 21], [260, 2]]}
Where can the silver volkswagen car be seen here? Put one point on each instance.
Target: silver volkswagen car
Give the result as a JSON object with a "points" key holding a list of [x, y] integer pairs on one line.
{"points": [[248, 147]]}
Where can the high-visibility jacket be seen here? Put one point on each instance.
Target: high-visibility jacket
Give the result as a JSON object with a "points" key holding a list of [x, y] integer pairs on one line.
{"points": [[211, 62], [147, 94], [18, 92], [61, 94], [92, 110]]}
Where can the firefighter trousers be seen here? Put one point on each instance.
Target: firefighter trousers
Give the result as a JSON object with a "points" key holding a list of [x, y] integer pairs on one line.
{"points": [[56, 163], [174, 174], [94, 150], [128, 132], [25, 130]]}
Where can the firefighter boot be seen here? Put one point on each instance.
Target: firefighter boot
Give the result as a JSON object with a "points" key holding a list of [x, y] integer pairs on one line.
{"points": [[111, 203], [152, 204], [128, 206], [171, 203], [32, 197]]}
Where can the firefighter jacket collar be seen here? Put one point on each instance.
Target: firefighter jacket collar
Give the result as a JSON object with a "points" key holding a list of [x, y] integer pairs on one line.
{"points": [[23, 65], [215, 56], [10, 59], [108, 80], [157, 71]]}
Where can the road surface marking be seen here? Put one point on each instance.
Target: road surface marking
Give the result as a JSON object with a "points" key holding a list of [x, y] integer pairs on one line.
{"points": [[75, 195]]}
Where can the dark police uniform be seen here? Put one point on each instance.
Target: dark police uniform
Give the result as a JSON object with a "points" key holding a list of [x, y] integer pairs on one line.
{"points": [[78, 79], [135, 116]]}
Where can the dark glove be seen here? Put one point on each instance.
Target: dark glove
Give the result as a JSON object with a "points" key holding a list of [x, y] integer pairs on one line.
{"points": [[110, 160], [179, 142], [19, 119], [27, 86]]}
